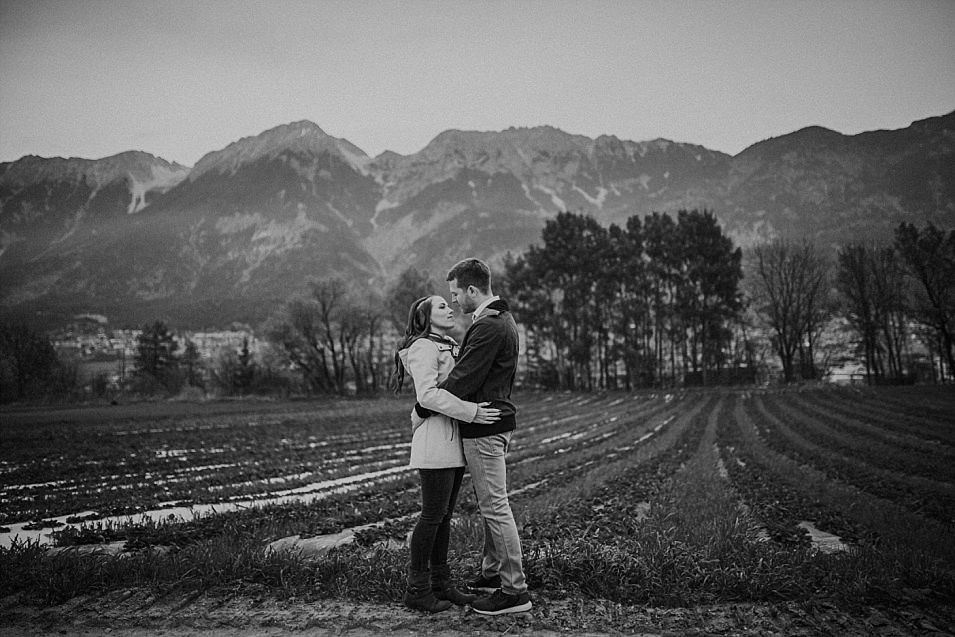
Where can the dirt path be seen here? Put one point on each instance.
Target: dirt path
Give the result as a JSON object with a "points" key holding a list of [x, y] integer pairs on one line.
{"points": [[135, 613]]}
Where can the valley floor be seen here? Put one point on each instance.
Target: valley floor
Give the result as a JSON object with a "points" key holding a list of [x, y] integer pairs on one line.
{"points": [[638, 510]]}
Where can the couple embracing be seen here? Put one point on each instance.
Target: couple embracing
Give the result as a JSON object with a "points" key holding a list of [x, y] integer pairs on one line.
{"points": [[464, 416]]}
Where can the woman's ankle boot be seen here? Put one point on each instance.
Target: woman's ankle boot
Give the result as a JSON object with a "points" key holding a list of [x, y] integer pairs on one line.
{"points": [[419, 595], [443, 589]]}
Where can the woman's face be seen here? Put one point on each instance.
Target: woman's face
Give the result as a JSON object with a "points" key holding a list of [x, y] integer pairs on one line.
{"points": [[442, 316]]}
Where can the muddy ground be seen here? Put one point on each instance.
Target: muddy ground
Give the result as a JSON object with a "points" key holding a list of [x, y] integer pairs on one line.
{"points": [[137, 613]]}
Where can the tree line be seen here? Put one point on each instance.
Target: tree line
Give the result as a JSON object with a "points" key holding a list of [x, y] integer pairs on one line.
{"points": [[333, 339], [645, 304], [658, 301], [896, 297], [668, 301]]}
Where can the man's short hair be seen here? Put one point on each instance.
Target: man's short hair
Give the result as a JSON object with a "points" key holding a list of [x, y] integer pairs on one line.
{"points": [[471, 272]]}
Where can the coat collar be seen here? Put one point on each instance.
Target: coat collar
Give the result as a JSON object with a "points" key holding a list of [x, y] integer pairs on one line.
{"points": [[444, 343], [490, 307], [479, 310]]}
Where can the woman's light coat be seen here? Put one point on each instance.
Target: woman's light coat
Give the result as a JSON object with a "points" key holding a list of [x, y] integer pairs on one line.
{"points": [[436, 442]]}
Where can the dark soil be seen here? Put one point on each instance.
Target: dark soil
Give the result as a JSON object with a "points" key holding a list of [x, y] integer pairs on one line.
{"points": [[138, 613]]}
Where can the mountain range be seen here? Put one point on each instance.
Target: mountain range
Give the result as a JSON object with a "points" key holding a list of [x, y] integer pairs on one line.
{"points": [[137, 238]]}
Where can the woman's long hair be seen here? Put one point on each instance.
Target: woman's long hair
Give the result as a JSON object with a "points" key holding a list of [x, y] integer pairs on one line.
{"points": [[419, 325]]}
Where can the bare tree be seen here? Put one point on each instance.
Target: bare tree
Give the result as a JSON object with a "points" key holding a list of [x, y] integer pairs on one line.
{"points": [[789, 289], [304, 330], [888, 308], [328, 335], [857, 288], [929, 258], [361, 332]]}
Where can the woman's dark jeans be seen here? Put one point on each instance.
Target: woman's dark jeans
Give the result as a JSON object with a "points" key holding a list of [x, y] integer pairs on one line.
{"points": [[432, 533]]}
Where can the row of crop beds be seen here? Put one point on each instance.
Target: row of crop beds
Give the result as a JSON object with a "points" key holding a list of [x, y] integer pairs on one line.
{"points": [[132, 464], [840, 460], [723, 509], [292, 456], [129, 466], [659, 498], [865, 449]]}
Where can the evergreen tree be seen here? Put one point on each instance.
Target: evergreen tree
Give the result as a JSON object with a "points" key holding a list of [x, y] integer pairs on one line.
{"points": [[191, 365], [568, 265], [709, 295], [155, 360], [28, 362], [244, 373], [664, 276], [628, 291]]}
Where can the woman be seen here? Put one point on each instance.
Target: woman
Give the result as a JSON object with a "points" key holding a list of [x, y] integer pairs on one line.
{"points": [[427, 353]]}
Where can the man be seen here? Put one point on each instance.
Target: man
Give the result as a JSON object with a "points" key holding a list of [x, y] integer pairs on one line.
{"points": [[485, 371]]}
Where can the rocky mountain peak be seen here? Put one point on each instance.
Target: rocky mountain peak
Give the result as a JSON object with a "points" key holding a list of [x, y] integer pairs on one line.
{"points": [[303, 137], [140, 167], [804, 140], [612, 145], [473, 144], [137, 166]]}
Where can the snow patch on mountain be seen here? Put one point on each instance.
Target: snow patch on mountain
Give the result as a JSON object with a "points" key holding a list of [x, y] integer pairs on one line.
{"points": [[338, 213], [382, 206], [535, 195], [160, 178], [554, 197], [385, 204], [355, 157], [597, 201]]}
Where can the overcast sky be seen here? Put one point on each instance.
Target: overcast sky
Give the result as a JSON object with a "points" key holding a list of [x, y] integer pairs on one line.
{"points": [[178, 79]]}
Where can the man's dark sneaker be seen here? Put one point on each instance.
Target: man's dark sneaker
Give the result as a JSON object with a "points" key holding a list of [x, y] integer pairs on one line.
{"points": [[500, 603], [488, 584]]}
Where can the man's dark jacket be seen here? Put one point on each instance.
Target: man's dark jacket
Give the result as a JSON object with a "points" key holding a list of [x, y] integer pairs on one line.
{"points": [[485, 369]]}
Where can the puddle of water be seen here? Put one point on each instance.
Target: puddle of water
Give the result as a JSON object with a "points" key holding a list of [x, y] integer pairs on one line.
{"points": [[823, 541], [389, 447], [35, 485], [171, 453], [557, 437]]}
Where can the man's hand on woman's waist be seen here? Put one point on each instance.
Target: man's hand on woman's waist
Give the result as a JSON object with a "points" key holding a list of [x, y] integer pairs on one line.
{"points": [[424, 412]]}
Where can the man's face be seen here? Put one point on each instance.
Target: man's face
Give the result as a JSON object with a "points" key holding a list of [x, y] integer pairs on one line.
{"points": [[463, 298]]}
